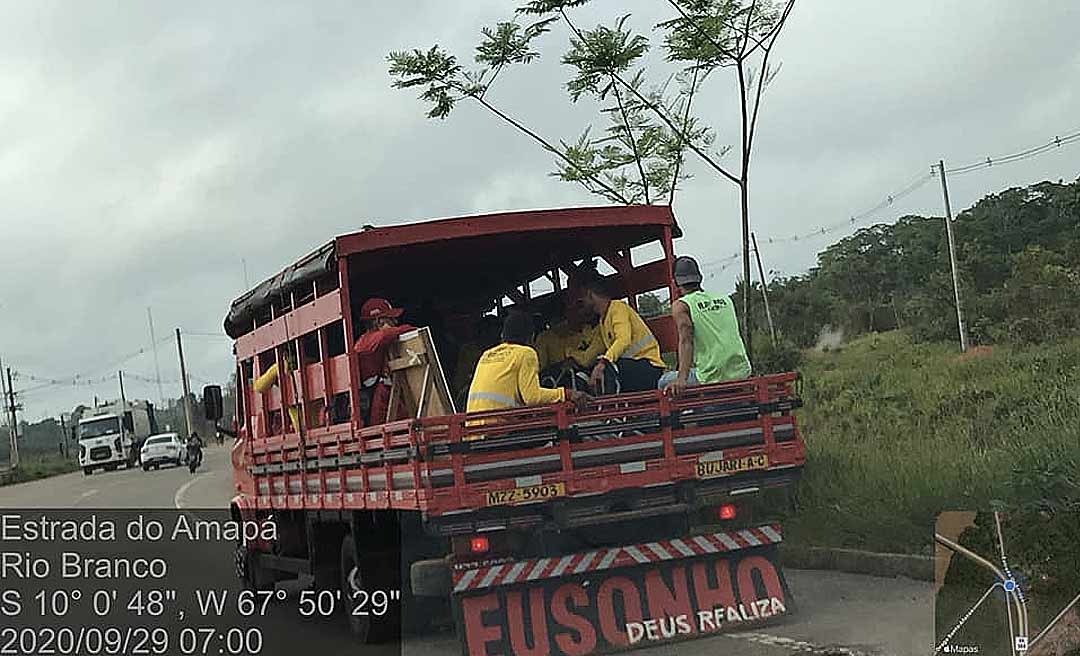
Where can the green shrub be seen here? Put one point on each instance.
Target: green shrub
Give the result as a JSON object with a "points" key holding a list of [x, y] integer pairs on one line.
{"points": [[770, 359], [897, 431]]}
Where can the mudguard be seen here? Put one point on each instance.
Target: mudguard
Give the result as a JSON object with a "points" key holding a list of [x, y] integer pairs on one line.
{"points": [[621, 597]]}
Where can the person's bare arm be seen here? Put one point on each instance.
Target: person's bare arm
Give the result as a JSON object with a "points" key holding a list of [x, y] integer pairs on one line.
{"points": [[685, 326]]}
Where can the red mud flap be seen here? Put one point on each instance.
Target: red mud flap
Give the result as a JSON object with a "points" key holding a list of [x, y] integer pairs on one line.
{"points": [[632, 596]]}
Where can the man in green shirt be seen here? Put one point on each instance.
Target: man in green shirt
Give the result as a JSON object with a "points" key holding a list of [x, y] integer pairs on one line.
{"points": [[710, 347]]}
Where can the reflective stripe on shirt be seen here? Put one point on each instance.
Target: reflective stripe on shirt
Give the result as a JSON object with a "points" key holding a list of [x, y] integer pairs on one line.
{"points": [[638, 347], [494, 398]]}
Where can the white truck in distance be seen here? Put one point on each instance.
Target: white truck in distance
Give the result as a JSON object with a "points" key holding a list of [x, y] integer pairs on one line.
{"points": [[111, 435]]}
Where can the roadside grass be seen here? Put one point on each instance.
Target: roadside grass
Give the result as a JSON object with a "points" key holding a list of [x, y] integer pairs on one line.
{"points": [[897, 432], [33, 466]]}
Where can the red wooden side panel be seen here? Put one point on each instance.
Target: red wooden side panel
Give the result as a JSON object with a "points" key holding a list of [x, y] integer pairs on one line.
{"points": [[340, 472], [320, 312], [339, 373], [666, 332]]}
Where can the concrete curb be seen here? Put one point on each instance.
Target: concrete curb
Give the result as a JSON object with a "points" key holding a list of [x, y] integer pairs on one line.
{"points": [[855, 561]]}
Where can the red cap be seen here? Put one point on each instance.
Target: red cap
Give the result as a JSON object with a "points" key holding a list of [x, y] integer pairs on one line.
{"points": [[377, 308]]}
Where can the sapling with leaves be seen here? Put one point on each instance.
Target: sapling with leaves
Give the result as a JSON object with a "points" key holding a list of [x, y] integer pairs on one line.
{"points": [[445, 82], [635, 160], [640, 155], [739, 35], [705, 36]]}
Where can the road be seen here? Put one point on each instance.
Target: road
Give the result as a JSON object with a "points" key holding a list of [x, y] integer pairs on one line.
{"points": [[838, 614]]}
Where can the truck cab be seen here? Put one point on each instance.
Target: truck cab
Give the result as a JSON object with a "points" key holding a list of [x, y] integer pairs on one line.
{"points": [[111, 435]]}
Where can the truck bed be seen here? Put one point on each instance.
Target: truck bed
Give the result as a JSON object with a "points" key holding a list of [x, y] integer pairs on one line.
{"points": [[631, 455]]}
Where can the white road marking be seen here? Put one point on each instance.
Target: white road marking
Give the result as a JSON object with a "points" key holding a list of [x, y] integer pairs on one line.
{"points": [[88, 493], [178, 498], [798, 646]]}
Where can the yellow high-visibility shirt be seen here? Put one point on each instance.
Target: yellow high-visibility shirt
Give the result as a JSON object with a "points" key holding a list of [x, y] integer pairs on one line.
{"points": [[626, 335], [508, 376], [561, 341]]}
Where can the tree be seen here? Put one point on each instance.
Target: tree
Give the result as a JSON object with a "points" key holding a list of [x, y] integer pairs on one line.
{"points": [[650, 305], [633, 142], [1019, 252], [601, 57], [862, 271], [647, 135]]}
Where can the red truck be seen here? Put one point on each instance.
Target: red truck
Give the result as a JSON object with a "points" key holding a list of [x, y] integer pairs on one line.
{"points": [[541, 529]]}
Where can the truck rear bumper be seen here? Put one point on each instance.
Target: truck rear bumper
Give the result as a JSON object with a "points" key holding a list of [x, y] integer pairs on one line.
{"points": [[615, 558], [434, 577], [624, 596]]}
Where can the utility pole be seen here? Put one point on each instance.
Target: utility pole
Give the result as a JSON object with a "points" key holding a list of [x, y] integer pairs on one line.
{"points": [[184, 380], [3, 394], [123, 401], [65, 448], [123, 415], [5, 417], [952, 258], [14, 456], [764, 289], [157, 367]]}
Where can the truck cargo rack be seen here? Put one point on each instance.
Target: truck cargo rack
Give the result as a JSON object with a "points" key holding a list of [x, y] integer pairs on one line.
{"points": [[643, 446]]}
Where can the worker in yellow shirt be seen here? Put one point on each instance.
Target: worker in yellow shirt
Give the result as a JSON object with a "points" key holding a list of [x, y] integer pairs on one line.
{"points": [[569, 346], [631, 361], [485, 335], [508, 375]]}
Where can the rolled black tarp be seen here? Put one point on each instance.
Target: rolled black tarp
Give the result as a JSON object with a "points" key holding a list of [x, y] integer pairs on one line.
{"points": [[243, 310]]}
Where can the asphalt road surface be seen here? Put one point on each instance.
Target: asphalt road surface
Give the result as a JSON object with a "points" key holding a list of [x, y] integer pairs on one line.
{"points": [[838, 614]]}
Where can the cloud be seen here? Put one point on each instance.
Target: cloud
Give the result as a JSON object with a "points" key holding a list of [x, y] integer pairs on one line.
{"points": [[151, 152]]}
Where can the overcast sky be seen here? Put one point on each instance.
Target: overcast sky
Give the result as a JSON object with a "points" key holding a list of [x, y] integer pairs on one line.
{"points": [[148, 148]]}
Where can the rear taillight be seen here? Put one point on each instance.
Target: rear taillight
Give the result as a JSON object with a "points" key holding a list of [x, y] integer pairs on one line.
{"points": [[483, 545], [727, 512]]}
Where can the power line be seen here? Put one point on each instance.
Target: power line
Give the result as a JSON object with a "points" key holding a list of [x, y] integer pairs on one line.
{"points": [[920, 180], [1028, 153]]}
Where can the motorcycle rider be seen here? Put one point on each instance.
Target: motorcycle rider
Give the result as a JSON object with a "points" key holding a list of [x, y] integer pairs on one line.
{"points": [[194, 449]]}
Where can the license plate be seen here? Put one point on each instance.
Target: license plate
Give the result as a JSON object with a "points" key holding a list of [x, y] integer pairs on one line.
{"points": [[526, 494], [715, 468]]}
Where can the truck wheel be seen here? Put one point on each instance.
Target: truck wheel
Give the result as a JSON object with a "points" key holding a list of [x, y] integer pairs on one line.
{"points": [[145, 467], [252, 575], [368, 628], [87, 471]]}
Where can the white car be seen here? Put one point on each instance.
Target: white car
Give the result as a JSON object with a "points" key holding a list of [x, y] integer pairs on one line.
{"points": [[161, 449]]}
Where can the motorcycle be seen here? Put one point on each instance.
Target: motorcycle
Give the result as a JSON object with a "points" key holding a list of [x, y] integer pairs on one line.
{"points": [[194, 456]]}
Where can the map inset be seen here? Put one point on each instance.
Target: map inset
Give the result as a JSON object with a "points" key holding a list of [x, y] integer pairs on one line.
{"points": [[1008, 583]]}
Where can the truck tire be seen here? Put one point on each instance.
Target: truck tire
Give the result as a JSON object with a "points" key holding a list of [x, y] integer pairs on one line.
{"points": [[252, 575], [368, 629], [145, 467], [87, 471]]}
